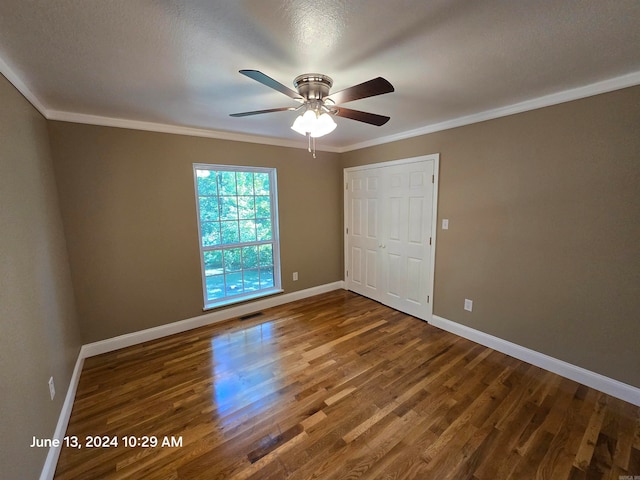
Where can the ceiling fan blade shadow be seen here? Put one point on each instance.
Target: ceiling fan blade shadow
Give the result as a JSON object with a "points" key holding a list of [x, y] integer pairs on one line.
{"points": [[258, 112], [366, 117], [371, 88], [270, 82]]}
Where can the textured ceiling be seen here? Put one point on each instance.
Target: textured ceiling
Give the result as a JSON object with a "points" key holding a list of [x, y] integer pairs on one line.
{"points": [[176, 62]]}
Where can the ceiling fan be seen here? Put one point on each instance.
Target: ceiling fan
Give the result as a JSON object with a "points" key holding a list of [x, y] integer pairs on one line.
{"points": [[318, 105]]}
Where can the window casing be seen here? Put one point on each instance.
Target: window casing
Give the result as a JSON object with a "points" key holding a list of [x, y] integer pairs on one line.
{"points": [[238, 232]]}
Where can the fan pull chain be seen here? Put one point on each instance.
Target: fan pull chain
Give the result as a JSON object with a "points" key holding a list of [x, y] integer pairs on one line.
{"points": [[312, 145]]}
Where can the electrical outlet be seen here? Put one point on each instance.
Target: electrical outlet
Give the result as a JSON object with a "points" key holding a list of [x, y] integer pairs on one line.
{"points": [[468, 305], [295, 276], [52, 388]]}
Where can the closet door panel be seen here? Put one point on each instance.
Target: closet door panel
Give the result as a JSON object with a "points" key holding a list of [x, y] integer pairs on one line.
{"points": [[362, 222]]}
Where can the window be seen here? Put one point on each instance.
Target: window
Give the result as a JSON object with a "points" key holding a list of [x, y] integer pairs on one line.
{"points": [[238, 231]]}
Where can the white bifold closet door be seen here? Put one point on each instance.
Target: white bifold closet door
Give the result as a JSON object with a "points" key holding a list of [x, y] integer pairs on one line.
{"points": [[389, 232]]}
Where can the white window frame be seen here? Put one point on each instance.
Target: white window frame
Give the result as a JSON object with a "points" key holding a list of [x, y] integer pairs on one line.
{"points": [[275, 241]]}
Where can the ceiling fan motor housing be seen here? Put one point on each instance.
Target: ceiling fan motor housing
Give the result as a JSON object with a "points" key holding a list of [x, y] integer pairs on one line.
{"points": [[313, 86]]}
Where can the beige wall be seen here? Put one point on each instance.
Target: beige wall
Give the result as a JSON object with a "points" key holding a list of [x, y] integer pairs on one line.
{"points": [[544, 228], [39, 335], [128, 204]]}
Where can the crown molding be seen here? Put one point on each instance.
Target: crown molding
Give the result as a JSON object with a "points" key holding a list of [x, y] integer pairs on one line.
{"points": [[11, 75], [178, 130], [616, 83]]}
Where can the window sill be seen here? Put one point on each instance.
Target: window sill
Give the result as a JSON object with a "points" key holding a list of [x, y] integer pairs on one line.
{"points": [[231, 301]]}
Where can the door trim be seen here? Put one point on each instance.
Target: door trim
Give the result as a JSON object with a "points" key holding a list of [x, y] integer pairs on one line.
{"points": [[434, 224]]}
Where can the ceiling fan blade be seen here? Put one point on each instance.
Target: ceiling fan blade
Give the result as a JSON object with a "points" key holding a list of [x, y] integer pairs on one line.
{"points": [[270, 82], [258, 112], [371, 88], [366, 117]]}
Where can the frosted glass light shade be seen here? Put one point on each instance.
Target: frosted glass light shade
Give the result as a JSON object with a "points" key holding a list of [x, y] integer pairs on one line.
{"points": [[311, 124], [305, 123], [324, 124]]}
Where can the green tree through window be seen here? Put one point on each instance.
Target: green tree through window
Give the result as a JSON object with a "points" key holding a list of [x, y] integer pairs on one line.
{"points": [[238, 231]]}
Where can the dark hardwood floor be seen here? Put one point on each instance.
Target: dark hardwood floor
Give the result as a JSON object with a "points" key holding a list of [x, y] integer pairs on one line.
{"points": [[339, 387]]}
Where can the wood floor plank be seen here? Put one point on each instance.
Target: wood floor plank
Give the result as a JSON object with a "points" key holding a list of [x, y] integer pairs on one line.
{"points": [[340, 387]]}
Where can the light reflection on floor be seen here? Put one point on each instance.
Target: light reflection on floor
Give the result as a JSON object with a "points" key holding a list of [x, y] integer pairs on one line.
{"points": [[245, 363]]}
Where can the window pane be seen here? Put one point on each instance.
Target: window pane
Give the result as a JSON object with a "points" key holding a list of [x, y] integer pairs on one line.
{"points": [[227, 183], [262, 183], [263, 228], [208, 209], [246, 207], [234, 283], [250, 257], [215, 287], [247, 231], [266, 277], [213, 262], [245, 183], [251, 280], [232, 260], [228, 208], [263, 207], [266, 255], [230, 232], [210, 233], [206, 182]]}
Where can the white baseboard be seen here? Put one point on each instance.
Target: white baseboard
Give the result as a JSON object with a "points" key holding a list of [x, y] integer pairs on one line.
{"points": [[51, 462], [581, 375], [154, 333]]}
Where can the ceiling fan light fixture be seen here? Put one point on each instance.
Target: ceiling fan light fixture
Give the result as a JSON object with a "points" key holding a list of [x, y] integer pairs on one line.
{"points": [[314, 125]]}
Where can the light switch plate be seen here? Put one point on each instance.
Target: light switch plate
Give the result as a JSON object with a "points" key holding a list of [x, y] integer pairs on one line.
{"points": [[445, 224]]}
